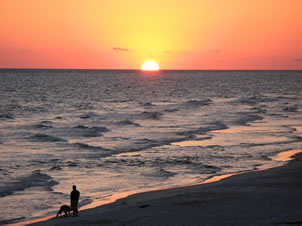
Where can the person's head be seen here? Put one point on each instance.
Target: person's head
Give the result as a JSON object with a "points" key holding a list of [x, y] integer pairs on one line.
{"points": [[74, 187]]}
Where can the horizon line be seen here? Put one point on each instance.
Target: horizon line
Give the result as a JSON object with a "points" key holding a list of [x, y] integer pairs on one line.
{"points": [[104, 69]]}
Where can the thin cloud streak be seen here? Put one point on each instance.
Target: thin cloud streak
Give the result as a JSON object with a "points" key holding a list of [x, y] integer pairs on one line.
{"points": [[120, 49]]}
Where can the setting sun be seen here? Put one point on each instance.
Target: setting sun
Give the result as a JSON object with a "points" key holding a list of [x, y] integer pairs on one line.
{"points": [[150, 66]]}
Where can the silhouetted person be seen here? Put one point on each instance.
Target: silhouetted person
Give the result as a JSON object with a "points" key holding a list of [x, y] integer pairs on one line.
{"points": [[74, 200]]}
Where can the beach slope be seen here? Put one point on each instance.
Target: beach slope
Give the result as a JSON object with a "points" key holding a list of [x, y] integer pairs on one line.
{"points": [[267, 197]]}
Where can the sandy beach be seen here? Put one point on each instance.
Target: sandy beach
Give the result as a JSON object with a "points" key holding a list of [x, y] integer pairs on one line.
{"points": [[266, 197]]}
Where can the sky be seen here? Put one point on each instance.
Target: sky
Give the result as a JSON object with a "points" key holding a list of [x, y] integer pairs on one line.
{"points": [[177, 34]]}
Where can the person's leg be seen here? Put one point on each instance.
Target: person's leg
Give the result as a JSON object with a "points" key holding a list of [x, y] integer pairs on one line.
{"points": [[76, 210], [74, 206]]}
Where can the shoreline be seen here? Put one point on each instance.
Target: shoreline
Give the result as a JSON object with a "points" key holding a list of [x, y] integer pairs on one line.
{"points": [[285, 157]]}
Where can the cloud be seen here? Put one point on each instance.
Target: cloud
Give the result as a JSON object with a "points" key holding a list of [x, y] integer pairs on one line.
{"points": [[298, 59], [120, 49]]}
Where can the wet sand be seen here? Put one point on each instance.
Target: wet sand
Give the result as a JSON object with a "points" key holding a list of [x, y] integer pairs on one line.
{"points": [[266, 197]]}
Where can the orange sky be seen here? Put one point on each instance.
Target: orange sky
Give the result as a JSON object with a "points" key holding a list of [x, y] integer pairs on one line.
{"points": [[177, 34]]}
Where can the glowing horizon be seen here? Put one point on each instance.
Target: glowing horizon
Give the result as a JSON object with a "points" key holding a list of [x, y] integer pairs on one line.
{"points": [[179, 34]]}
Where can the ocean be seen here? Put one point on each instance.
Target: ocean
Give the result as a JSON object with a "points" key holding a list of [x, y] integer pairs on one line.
{"points": [[114, 131]]}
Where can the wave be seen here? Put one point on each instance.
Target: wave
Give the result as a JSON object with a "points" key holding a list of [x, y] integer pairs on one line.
{"points": [[163, 173], [127, 123], [290, 109], [55, 168], [244, 119], [257, 110], [46, 138], [46, 122], [156, 115], [218, 125], [41, 126], [95, 131], [100, 129], [144, 144], [88, 115], [149, 115], [5, 116], [11, 221], [121, 100], [147, 104], [81, 127], [87, 146], [35, 179], [141, 145], [72, 164], [171, 110], [288, 98], [198, 103]]}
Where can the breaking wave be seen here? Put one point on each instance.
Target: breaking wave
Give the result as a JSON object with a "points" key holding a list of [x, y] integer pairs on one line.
{"points": [[91, 131], [244, 119], [149, 115], [35, 179], [41, 126], [46, 138], [163, 173], [198, 103], [290, 109], [147, 104], [12, 220], [127, 123], [214, 126], [55, 168], [87, 146], [7, 116], [88, 115]]}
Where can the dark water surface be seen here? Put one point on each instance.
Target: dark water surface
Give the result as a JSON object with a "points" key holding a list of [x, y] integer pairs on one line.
{"points": [[115, 131]]}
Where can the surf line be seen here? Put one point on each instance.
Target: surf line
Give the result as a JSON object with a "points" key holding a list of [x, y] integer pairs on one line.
{"points": [[284, 157]]}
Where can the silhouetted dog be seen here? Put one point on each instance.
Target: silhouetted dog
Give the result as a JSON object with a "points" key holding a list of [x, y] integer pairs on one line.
{"points": [[66, 209]]}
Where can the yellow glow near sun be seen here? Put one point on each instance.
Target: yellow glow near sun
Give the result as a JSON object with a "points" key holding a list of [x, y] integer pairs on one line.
{"points": [[150, 65]]}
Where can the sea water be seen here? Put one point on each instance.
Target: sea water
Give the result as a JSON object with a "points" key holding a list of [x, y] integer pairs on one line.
{"points": [[110, 132]]}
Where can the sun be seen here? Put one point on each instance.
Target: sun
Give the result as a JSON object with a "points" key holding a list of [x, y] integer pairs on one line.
{"points": [[150, 65]]}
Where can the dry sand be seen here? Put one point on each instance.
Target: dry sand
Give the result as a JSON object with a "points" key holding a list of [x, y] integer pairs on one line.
{"points": [[268, 197]]}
